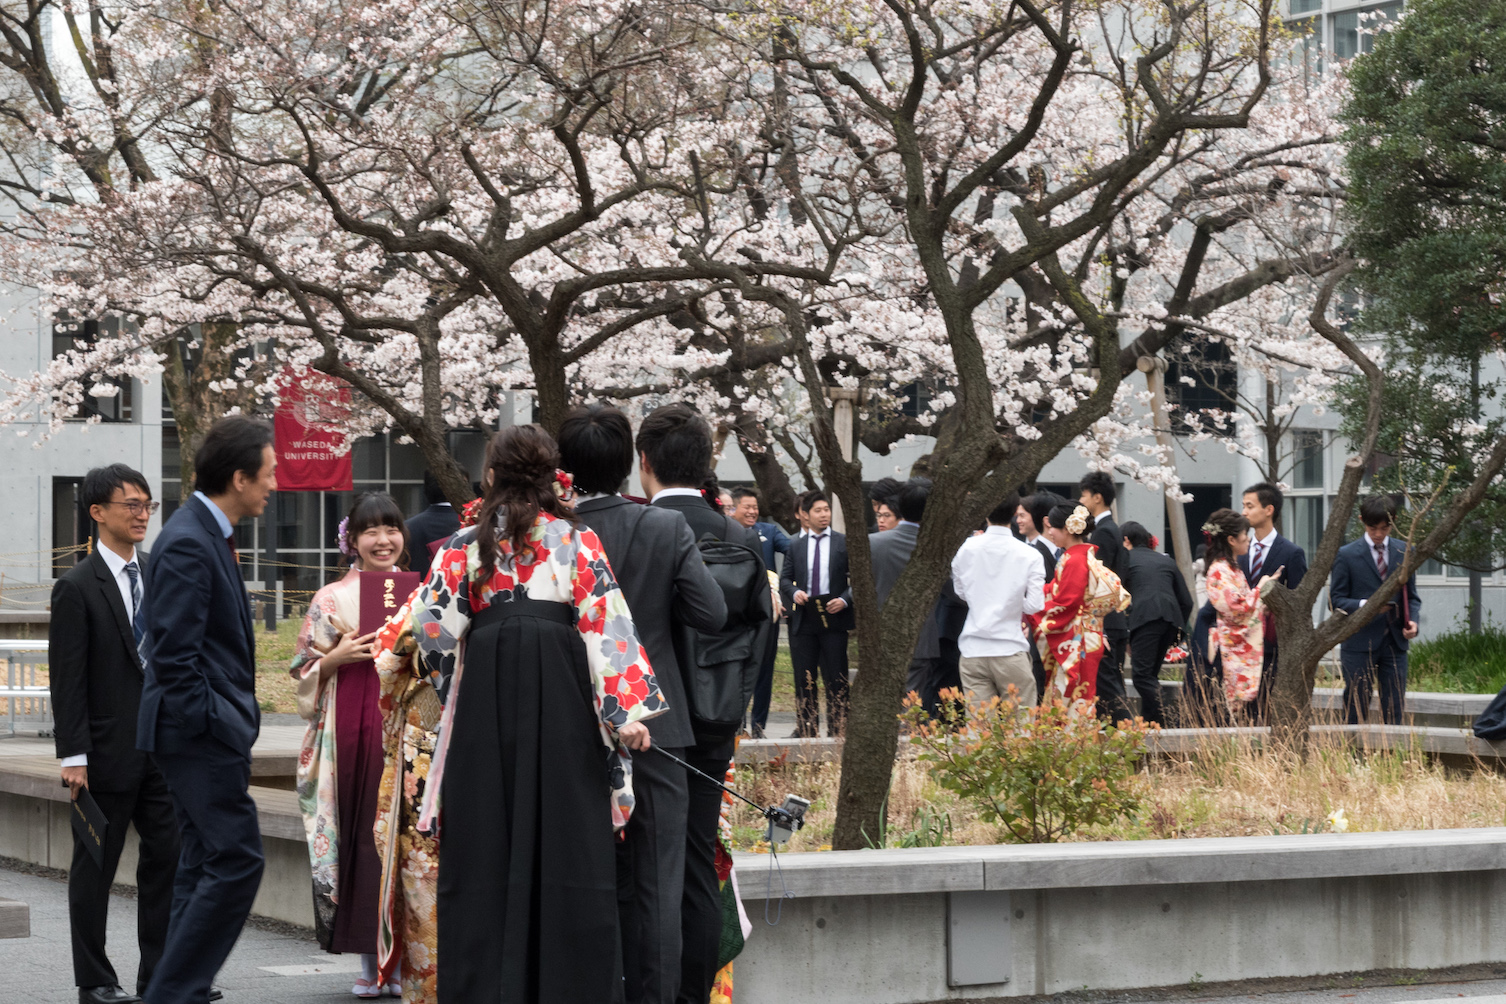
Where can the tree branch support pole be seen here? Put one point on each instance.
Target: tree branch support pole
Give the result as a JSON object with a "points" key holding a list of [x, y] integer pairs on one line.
{"points": [[1154, 369], [844, 403]]}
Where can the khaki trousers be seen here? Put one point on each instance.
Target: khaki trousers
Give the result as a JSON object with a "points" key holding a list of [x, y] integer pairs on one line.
{"points": [[989, 676]]}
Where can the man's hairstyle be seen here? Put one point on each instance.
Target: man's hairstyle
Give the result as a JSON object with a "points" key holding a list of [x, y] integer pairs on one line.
{"points": [[1003, 514], [1136, 535], [677, 442], [1039, 506], [234, 443], [1378, 509], [1099, 482], [1267, 494], [596, 447], [812, 497], [802, 500], [101, 483], [912, 499], [432, 492], [746, 492], [883, 490]]}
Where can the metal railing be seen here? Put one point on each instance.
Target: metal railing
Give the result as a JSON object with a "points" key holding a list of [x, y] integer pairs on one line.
{"points": [[28, 702]]}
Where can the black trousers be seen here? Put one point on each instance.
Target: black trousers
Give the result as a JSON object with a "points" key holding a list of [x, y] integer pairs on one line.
{"points": [[1111, 703], [1148, 644], [763, 687], [820, 655], [651, 878], [1038, 670], [219, 869], [149, 807], [701, 909], [924, 680], [1386, 665]]}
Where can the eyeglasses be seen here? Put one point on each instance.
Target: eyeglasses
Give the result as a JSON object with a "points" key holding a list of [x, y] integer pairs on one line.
{"points": [[137, 508]]}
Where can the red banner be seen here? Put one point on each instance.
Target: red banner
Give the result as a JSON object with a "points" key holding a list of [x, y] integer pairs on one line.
{"points": [[313, 451]]}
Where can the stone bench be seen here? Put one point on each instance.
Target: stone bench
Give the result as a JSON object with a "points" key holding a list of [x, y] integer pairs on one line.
{"points": [[15, 919]]}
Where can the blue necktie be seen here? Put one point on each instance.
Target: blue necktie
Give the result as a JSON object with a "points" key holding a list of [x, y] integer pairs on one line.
{"points": [[138, 629]]}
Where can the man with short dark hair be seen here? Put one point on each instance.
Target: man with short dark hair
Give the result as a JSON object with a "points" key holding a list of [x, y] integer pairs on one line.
{"points": [[1002, 580], [890, 552], [653, 555], [199, 716], [1096, 492], [1158, 615], [94, 659], [746, 505], [433, 525], [1270, 552], [1378, 651], [674, 460], [819, 598]]}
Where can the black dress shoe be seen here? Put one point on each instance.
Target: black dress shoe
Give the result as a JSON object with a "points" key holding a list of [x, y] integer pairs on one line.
{"points": [[108, 994], [215, 993]]}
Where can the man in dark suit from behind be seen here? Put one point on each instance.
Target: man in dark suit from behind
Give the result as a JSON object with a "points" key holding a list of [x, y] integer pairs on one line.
{"points": [[817, 567], [1096, 492], [1161, 604], [199, 716], [1029, 521], [674, 459], [437, 522], [1378, 651], [890, 552], [94, 663], [747, 507], [654, 558], [1269, 551]]}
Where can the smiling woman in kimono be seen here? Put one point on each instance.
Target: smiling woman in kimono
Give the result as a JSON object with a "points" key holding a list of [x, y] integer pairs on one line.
{"points": [[340, 764], [552, 682]]}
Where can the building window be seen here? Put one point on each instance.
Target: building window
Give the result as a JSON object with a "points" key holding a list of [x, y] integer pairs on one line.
{"points": [[1304, 521], [1354, 31], [71, 524], [1202, 378], [1307, 43], [69, 333], [1307, 458]]}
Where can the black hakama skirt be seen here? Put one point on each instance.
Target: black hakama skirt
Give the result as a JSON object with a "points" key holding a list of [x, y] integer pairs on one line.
{"points": [[527, 879]]}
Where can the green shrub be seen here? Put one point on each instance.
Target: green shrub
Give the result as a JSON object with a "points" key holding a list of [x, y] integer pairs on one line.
{"points": [[1042, 774], [1459, 662]]}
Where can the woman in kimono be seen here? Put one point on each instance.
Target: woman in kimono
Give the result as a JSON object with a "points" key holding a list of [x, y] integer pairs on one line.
{"points": [[525, 780], [340, 764], [1078, 596], [1238, 637]]}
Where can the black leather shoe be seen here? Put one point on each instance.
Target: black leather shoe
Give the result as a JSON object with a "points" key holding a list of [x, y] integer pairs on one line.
{"points": [[108, 994], [215, 993]]}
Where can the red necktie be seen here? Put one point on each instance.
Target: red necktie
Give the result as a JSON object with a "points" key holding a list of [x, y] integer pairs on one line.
{"points": [[235, 555], [1380, 562]]}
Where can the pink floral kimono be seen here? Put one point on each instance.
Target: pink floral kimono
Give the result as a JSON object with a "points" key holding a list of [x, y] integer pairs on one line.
{"points": [[1237, 634]]}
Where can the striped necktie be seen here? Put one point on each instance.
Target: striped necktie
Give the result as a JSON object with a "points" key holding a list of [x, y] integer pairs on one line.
{"points": [[1257, 562], [138, 629]]}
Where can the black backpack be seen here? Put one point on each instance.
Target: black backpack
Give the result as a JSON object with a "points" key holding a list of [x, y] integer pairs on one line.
{"points": [[1491, 724], [721, 667]]}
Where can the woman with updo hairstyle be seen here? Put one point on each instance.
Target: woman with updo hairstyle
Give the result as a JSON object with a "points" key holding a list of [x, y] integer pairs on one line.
{"points": [[1070, 627], [549, 687], [340, 764], [1238, 635]]}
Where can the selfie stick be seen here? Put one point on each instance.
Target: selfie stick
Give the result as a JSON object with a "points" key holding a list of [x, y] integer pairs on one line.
{"points": [[720, 784]]}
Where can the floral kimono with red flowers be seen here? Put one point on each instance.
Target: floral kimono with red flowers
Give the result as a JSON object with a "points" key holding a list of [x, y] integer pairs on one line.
{"points": [[1238, 633], [424, 646], [1078, 597]]}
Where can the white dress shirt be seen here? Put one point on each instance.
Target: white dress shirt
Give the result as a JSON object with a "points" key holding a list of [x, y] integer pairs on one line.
{"points": [[117, 566], [665, 493], [1001, 579], [810, 557]]}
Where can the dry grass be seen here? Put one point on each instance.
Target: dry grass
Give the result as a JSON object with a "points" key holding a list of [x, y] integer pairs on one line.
{"points": [[1229, 789]]}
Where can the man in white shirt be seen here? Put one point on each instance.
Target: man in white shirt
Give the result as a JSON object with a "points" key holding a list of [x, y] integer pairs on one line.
{"points": [[1002, 580]]}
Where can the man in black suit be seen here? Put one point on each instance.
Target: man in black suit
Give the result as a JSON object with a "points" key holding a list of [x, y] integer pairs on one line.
{"points": [[674, 459], [199, 716], [95, 665], [1157, 616], [438, 522], [747, 505], [1377, 652], [890, 552], [1029, 521], [654, 558], [1096, 492], [817, 595], [1269, 552]]}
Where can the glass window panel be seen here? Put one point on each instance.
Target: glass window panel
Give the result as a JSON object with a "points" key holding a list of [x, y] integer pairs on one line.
{"points": [[407, 462], [1431, 567], [172, 461], [368, 459], [1354, 31], [298, 522], [1307, 458], [469, 447], [1307, 522], [410, 498], [1305, 6]]}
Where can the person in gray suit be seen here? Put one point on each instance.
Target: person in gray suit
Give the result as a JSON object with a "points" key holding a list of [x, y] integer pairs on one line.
{"points": [[890, 552], [653, 555], [1161, 604]]}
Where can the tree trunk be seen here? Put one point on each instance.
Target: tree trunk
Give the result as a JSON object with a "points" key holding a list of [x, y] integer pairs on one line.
{"points": [[768, 473], [188, 379]]}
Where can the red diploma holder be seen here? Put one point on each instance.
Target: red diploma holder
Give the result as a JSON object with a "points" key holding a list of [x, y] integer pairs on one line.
{"points": [[382, 594]]}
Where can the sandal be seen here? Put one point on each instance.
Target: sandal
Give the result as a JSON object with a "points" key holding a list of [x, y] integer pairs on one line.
{"points": [[367, 989]]}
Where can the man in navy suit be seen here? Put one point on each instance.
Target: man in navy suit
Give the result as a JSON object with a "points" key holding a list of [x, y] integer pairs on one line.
{"points": [[199, 716], [816, 593], [1378, 651], [746, 503], [1269, 553]]}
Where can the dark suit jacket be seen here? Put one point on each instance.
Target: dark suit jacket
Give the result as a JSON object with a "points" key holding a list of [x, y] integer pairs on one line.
{"points": [[890, 552], [1157, 589], [654, 558], [1354, 578], [95, 675], [201, 649], [796, 577], [1110, 543], [774, 541], [705, 521], [1283, 554], [1049, 554], [437, 522]]}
